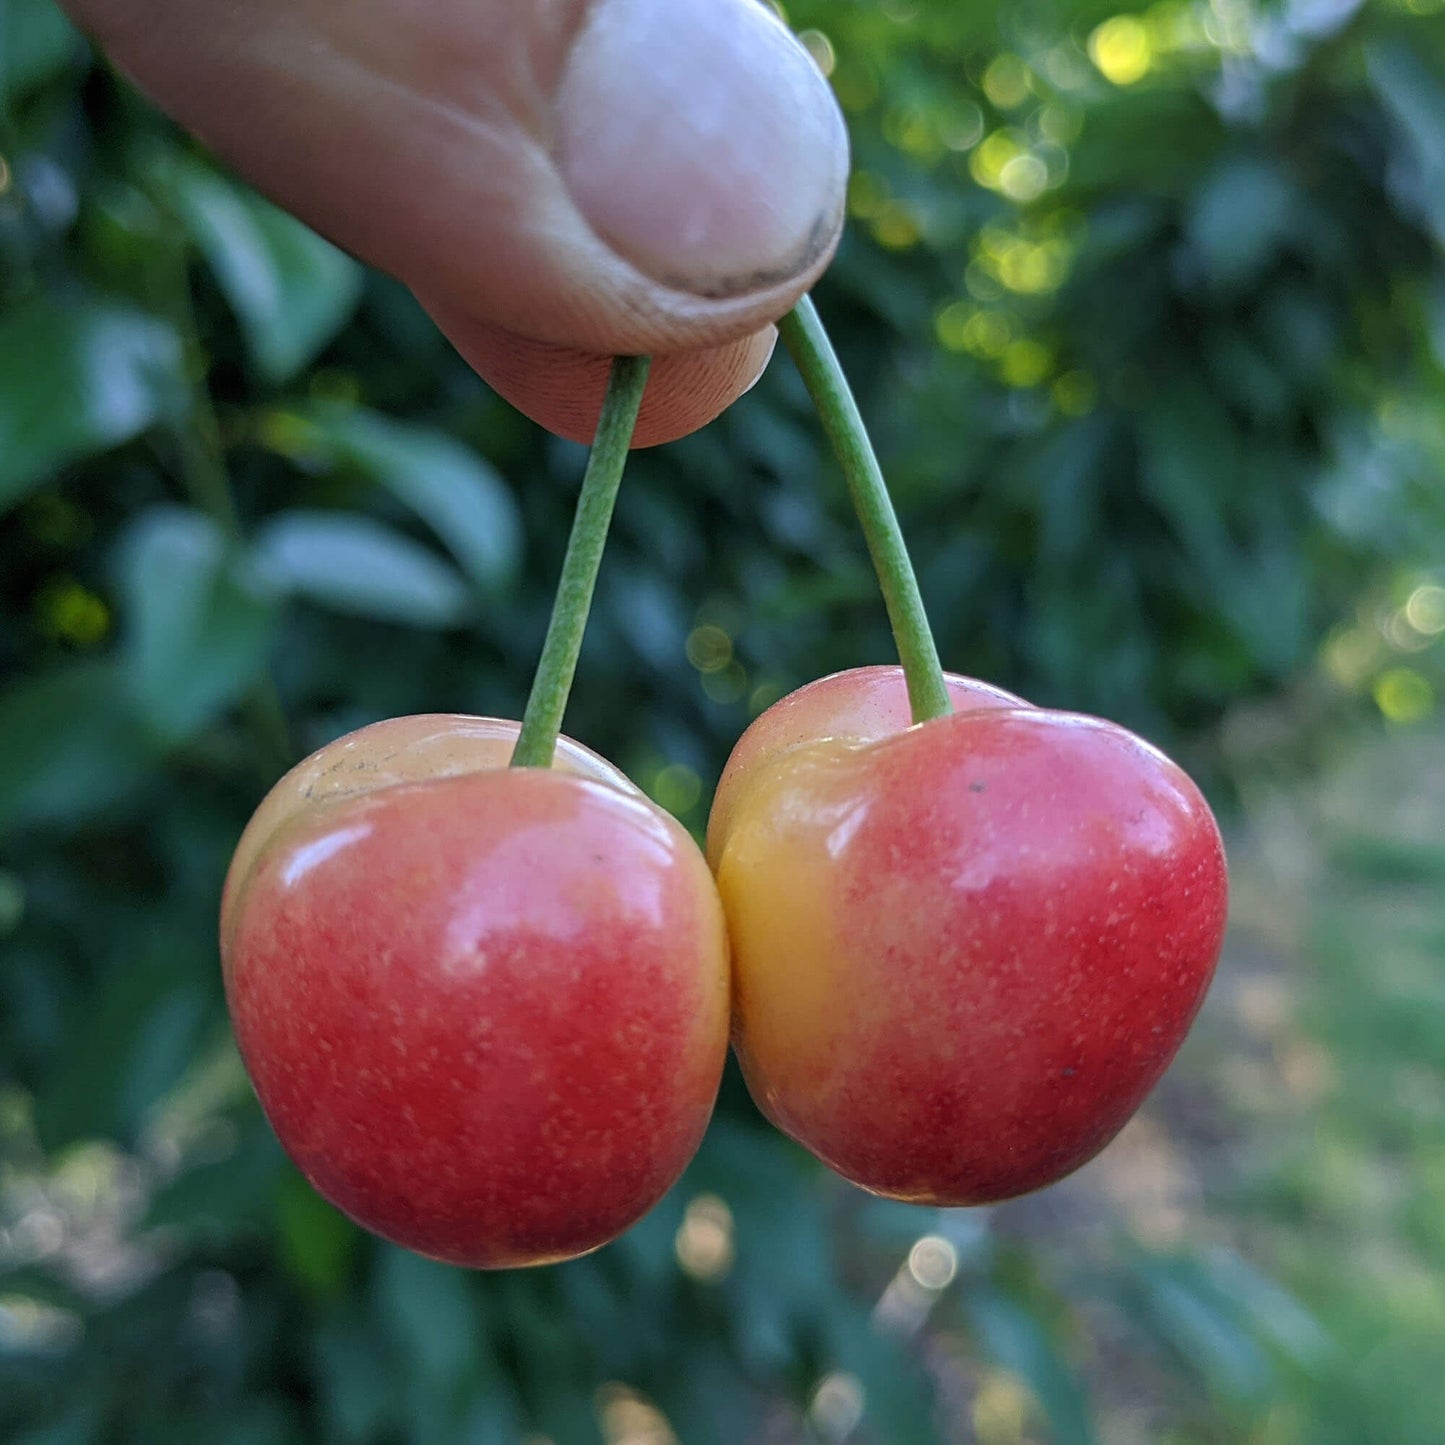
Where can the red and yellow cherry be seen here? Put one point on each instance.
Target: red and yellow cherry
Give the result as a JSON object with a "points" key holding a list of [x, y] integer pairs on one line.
{"points": [[484, 1008], [964, 953]]}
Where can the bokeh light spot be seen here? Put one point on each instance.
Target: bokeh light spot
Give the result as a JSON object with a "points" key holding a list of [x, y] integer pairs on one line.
{"points": [[765, 694], [989, 335], [1024, 178], [1403, 635], [676, 788], [912, 131], [629, 1419], [1121, 51], [1403, 695], [1350, 655], [1075, 393], [1000, 1409], [709, 648], [950, 325], [704, 1240], [725, 687], [933, 1262], [1425, 610], [838, 1405], [70, 612], [1006, 81], [1025, 363], [895, 227], [867, 194], [1060, 123], [962, 129], [981, 281], [820, 48], [993, 153]]}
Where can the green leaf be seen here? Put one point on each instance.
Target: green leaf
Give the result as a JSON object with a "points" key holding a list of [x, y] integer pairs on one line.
{"points": [[1273, 1314], [266, 1421], [291, 290], [1182, 1307], [354, 1373], [783, 1274], [318, 1243], [1413, 95], [37, 42], [454, 491], [1377, 859], [73, 750], [198, 626], [568, 1412], [898, 1403], [32, 1282], [1011, 1335], [1266, 597], [225, 1197], [129, 1043], [1189, 451], [78, 377], [1240, 218], [648, 612], [357, 565], [702, 1402], [77, 1428], [431, 1316], [495, 1416]]}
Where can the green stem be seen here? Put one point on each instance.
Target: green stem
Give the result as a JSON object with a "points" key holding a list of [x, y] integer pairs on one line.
{"points": [[813, 354], [542, 720]]}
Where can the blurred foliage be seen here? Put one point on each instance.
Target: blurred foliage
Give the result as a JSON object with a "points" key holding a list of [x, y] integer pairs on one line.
{"points": [[1338, 1061], [1148, 311]]}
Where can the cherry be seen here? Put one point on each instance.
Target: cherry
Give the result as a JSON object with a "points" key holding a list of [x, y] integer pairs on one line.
{"points": [[964, 951], [484, 1008]]}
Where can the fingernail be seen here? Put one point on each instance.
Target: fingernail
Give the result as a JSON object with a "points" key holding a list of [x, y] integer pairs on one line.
{"points": [[701, 142]]}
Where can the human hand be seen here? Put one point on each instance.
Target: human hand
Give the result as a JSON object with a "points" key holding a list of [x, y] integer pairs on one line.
{"points": [[558, 181]]}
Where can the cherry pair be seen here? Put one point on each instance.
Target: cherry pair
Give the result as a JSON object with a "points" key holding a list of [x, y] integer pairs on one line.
{"points": [[486, 1008]]}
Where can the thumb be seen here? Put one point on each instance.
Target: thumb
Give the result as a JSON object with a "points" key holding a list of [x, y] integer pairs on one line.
{"points": [[587, 176]]}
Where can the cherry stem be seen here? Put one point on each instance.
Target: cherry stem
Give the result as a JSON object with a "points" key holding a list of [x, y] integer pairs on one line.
{"points": [[813, 355], [557, 666]]}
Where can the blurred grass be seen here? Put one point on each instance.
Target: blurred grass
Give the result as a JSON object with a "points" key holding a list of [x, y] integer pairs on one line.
{"points": [[1365, 1189], [1322, 1055]]}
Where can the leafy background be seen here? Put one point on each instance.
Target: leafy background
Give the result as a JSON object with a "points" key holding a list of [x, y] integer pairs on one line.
{"points": [[1148, 310]]}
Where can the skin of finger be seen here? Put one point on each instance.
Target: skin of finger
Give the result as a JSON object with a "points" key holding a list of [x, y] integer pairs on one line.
{"points": [[414, 133], [562, 388]]}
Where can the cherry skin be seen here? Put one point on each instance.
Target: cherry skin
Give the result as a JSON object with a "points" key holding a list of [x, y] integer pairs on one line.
{"points": [[484, 1008], [964, 953], [863, 704]]}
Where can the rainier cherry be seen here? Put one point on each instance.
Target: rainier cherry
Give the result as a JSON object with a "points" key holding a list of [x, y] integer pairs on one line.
{"points": [[484, 1008], [963, 951]]}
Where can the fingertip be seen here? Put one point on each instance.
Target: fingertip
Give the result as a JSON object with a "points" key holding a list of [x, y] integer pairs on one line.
{"points": [[561, 388]]}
